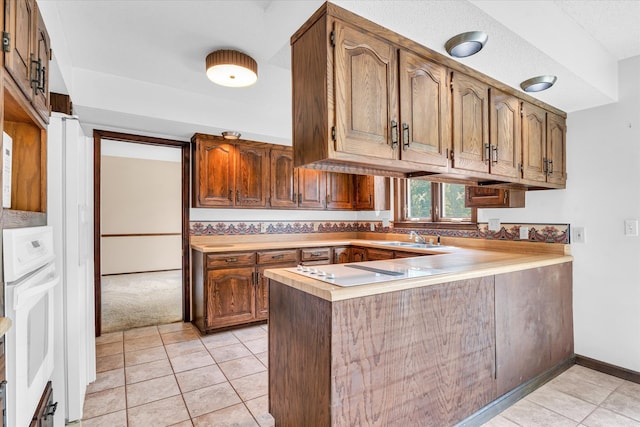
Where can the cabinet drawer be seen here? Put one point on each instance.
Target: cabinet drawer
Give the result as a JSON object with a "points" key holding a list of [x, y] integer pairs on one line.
{"points": [[277, 257], [230, 259], [312, 254]]}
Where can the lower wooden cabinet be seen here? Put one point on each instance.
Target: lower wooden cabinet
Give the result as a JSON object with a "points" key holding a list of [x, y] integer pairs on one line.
{"points": [[229, 289], [341, 255], [358, 254], [378, 254]]}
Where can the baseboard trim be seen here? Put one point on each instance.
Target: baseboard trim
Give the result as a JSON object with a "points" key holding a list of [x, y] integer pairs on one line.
{"points": [[616, 371], [503, 402]]}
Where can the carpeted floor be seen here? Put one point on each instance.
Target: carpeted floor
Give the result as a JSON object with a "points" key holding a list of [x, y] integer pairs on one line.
{"points": [[141, 299]]}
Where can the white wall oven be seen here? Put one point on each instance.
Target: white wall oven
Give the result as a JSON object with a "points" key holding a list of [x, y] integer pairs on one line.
{"points": [[29, 280]]}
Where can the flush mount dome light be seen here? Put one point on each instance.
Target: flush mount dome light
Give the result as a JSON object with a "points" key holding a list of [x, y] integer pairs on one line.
{"points": [[230, 134], [231, 68], [466, 44], [539, 83]]}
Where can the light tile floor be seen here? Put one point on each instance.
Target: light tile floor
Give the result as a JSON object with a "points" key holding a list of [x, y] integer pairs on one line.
{"points": [[170, 375], [578, 397]]}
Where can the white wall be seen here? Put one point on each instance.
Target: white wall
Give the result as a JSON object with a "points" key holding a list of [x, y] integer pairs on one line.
{"points": [[603, 188]]}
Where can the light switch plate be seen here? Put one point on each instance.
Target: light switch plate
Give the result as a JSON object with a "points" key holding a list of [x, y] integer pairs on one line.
{"points": [[524, 233], [579, 235], [494, 224], [263, 227], [631, 227], [385, 222]]}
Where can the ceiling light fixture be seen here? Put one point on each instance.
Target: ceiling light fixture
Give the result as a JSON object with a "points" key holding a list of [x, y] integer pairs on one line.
{"points": [[539, 83], [231, 134], [466, 44], [231, 68]]}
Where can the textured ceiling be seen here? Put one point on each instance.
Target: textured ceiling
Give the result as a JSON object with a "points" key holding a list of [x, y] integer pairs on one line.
{"points": [[138, 65]]}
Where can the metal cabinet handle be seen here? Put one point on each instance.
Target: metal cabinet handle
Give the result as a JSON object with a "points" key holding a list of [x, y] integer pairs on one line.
{"points": [[494, 154], [234, 259], [550, 167], [295, 197], [230, 197], [545, 166], [277, 256], [394, 134], [487, 153], [237, 195], [405, 136], [316, 253]]}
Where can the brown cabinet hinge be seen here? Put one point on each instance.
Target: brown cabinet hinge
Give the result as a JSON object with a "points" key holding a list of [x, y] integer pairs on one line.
{"points": [[332, 38], [333, 133], [6, 41]]}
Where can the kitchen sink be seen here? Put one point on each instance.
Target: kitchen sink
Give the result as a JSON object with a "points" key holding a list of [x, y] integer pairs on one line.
{"points": [[407, 244]]}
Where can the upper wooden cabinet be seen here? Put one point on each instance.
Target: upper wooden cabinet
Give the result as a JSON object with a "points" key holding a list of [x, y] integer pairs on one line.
{"points": [[471, 150], [340, 194], [293, 188], [372, 192], [227, 175], [505, 135], [369, 101], [366, 93], [27, 52], [20, 17], [543, 147], [483, 197], [425, 128]]}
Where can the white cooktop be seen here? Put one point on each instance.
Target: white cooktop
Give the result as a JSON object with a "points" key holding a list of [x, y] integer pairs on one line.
{"points": [[363, 273]]}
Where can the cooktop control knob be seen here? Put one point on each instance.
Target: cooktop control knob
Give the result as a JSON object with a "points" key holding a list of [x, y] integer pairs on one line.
{"points": [[321, 273], [330, 276]]}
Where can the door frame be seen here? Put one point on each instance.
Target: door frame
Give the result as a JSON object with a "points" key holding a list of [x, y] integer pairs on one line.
{"points": [[185, 146]]}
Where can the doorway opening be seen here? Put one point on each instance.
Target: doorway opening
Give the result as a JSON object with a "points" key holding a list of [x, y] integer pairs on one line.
{"points": [[141, 229]]}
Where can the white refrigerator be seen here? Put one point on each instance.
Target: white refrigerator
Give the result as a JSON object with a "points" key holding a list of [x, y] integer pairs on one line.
{"points": [[70, 212]]}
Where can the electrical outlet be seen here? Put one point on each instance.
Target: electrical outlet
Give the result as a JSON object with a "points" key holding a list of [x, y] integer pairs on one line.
{"points": [[579, 235], [631, 227], [263, 227], [372, 227], [386, 222], [524, 233], [494, 224]]}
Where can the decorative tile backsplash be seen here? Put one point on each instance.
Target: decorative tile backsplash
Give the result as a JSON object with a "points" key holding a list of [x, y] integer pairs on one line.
{"points": [[549, 233]]}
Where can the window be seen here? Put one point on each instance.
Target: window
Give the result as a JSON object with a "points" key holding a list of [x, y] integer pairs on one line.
{"points": [[425, 203]]}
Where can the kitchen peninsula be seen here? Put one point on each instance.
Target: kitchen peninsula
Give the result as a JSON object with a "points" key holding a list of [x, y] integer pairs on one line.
{"points": [[428, 350]]}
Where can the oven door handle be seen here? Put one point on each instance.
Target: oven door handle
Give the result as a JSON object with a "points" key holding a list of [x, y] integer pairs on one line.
{"points": [[20, 298]]}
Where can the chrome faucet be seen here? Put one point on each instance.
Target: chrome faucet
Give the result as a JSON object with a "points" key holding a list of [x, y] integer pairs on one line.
{"points": [[416, 237]]}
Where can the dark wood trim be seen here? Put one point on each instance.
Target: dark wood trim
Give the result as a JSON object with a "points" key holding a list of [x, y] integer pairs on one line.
{"points": [[616, 371], [145, 271], [185, 146], [141, 235], [503, 402], [97, 284]]}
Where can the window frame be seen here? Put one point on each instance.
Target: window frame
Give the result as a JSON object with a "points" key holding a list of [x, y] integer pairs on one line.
{"points": [[436, 222]]}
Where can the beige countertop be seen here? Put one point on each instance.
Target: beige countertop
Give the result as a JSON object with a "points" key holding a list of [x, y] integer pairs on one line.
{"points": [[457, 259]]}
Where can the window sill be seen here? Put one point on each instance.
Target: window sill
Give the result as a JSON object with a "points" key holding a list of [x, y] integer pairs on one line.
{"points": [[436, 225]]}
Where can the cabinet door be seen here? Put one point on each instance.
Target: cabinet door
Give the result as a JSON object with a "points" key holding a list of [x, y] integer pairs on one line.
{"points": [[556, 149], [41, 89], [284, 179], [339, 190], [252, 172], [262, 290], [311, 189], [425, 129], [505, 135], [230, 296], [364, 197], [20, 21], [534, 143], [358, 254], [215, 184], [470, 124], [341, 255], [366, 92]]}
